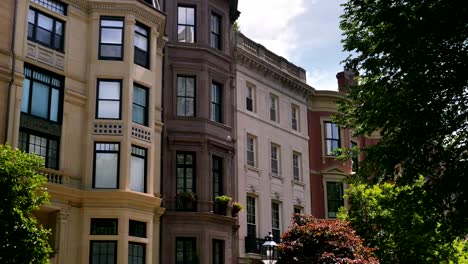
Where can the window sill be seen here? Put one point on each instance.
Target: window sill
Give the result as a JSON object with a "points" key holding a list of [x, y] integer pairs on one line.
{"points": [[277, 176], [252, 168], [298, 183]]}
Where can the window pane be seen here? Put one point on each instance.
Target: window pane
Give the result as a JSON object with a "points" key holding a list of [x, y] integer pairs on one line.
{"points": [[25, 96], [111, 51], [44, 36], [40, 100], [111, 35], [109, 90], [141, 42], [138, 115], [106, 170], [45, 22], [143, 31], [181, 106], [31, 16], [58, 28], [111, 23], [54, 105], [109, 109], [182, 15], [190, 87], [190, 16], [137, 179], [190, 107], [139, 96]]}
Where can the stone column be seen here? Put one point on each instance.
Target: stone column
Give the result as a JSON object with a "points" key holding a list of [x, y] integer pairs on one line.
{"points": [[61, 235]]}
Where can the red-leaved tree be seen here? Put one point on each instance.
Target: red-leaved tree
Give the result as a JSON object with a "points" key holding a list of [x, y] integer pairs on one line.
{"points": [[310, 240]]}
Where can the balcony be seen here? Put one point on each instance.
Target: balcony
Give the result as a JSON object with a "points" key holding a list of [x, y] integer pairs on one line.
{"points": [[186, 202], [59, 178], [253, 245]]}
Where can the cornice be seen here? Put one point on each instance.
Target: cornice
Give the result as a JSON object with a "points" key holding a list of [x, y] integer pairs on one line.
{"points": [[272, 72], [156, 16]]}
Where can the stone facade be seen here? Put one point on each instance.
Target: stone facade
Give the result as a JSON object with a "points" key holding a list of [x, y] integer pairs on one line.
{"points": [[272, 144], [199, 120], [57, 55]]}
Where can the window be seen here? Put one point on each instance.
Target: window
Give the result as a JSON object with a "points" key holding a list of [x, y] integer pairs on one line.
{"points": [[136, 228], [104, 226], [45, 146], [250, 150], [141, 43], [249, 99], [185, 96], [296, 166], [45, 29], [275, 159], [186, 250], [216, 103], [185, 172], [298, 210], [108, 105], [103, 252], [55, 6], [136, 253], [332, 138], [138, 169], [140, 105], [275, 221], [251, 218], [111, 38], [355, 158], [294, 117], [186, 24], [215, 31], [334, 198], [273, 108], [217, 171], [218, 251], [106, 165], [42, 94]]}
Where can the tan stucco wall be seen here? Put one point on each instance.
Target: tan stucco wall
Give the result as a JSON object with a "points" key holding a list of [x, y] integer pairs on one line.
{"points": [[74, 201]]}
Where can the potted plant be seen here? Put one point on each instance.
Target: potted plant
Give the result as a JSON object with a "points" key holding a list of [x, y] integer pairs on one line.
{"points": [[221, 204], [236, 208], [185, 200]]}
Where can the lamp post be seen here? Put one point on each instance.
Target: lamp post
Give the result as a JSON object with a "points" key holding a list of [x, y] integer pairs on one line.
{"points": [[269, 250]]}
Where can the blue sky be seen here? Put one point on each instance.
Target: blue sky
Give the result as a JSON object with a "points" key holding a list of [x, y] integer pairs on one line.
{"points": [[306, 32]]}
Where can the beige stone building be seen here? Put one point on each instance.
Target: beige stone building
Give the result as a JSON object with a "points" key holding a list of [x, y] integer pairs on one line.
{"points": [[80, 85], [272, 144]]}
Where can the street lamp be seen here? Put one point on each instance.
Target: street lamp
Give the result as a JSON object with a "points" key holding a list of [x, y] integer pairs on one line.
{"points": [[269, 250]]}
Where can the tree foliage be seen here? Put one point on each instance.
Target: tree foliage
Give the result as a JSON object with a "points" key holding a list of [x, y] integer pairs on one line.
{"points": [[23, 240], [393, 220], [412, 57], [322, 241]]}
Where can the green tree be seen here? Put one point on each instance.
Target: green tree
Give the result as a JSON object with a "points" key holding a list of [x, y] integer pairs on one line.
{"points": [[393, 220], [23, 240], [310, 240], [412, 57]]}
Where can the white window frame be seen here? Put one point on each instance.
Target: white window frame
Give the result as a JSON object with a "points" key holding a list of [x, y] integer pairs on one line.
{"points": [[277, 149]]}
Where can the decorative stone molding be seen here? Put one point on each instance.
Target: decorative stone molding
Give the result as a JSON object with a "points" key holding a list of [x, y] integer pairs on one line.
{"points": [[141, 133], [258, 58], [127, 7], [44, 55], [108, 129]]}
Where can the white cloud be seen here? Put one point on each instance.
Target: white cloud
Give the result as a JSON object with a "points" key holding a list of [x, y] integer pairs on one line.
{"points": [[269, 22], [322, 79]]}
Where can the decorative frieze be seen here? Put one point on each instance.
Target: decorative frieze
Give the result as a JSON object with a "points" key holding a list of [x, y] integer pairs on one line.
{"points": [[141, 133], [114, 129], [44, 55]]}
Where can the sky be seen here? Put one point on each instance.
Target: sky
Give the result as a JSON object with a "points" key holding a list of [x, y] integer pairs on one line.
{"points": [[305, 32]]}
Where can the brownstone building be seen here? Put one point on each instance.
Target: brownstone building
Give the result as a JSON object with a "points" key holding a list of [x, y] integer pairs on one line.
{"points": [[198, 150]]}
